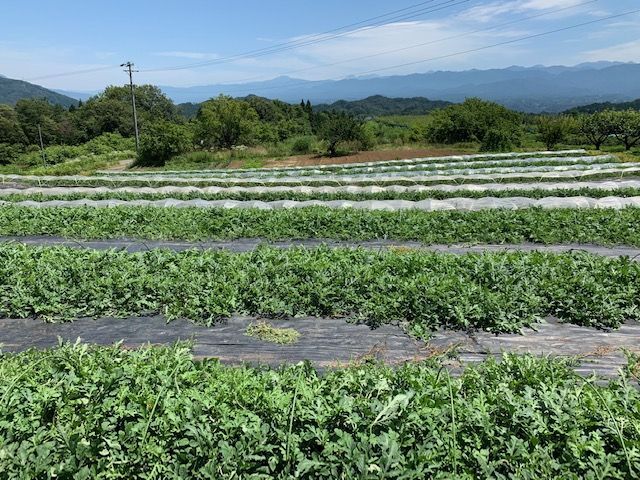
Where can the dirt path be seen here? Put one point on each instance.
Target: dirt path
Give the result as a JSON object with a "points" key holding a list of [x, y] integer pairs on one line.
{"points": [[121, 166], [334, 342], [360, 157]]}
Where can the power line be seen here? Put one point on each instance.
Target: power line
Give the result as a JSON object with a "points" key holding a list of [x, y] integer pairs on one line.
{"points": [[75, 72], [322, 37], [410, 47], [473, 50], [279, 47]]}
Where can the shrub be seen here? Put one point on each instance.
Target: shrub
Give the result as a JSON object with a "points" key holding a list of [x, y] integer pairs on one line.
{"points": [[109, 142], [303, 144], [9, 153], [161, 141], [497, 140]]}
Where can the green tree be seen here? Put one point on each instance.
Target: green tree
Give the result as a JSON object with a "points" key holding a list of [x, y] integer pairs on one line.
{"points": [[596, 128], [625, 126], [32, 112], [162, 140], [225, 122], [554, 130], [471, 120], [10, 130], [110, 111], [339, 127]]}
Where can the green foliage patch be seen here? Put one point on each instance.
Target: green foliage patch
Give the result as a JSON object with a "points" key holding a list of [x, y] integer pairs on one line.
{"points": [[356, 197], [81, 412], [499, 292], [599, 226]]}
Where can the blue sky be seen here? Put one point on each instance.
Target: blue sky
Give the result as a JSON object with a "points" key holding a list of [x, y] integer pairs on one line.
{"points": [[41, 37]]}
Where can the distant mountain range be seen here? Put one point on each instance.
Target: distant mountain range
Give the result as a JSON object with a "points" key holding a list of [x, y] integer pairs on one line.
{"points": [[529, 89], [13, 90]]}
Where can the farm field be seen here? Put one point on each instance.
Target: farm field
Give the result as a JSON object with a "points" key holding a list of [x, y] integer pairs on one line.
{"points": [[495, 298]]}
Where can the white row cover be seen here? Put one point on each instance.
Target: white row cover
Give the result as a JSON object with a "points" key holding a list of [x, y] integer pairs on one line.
{"points": [[351, 189], [375, 175], [470, 204], [449, 158], [576, 171], [427, 166]]}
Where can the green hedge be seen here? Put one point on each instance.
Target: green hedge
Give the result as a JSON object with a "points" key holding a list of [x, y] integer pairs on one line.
{"points": [[604, 226], [499, 292], [84, 413]]}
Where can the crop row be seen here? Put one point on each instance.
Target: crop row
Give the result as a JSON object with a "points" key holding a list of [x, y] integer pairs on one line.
{"points": [[334, 167], [518, 177], [384, 175], [271, 196], [499, 292], [108, 412], [486, 189], [418, 167], [602, 227], [464, 204]]}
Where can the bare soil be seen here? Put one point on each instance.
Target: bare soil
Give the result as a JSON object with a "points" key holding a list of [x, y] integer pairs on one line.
{"points": [[360, 157], [121, 166]]}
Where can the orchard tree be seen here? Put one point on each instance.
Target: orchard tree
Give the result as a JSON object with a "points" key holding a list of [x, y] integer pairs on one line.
{"points": [[626, 127], [596, 128], [225, 122], [339, 127], [554, 130]]}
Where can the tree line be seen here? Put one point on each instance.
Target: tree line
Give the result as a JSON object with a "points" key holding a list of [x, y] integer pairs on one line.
{"points": [[105, 121]]}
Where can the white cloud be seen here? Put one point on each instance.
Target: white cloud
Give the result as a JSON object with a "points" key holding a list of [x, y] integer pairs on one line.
{"points": [[492, 10], [624, 52]]}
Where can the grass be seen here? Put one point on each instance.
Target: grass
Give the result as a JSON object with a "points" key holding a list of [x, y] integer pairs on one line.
{"points": [[552, 226], [498, 292], [107, 412], [268, 333], [83, 165]]}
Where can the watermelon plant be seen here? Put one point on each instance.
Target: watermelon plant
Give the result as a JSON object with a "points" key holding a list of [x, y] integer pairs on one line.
{"points": [[85, 412], [499, 292]]}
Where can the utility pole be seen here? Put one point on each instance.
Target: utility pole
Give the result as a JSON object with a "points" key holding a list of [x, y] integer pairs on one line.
{"points": [[44, 157], [130, 71]]}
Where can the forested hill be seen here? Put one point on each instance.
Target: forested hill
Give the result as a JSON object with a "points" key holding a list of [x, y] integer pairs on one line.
{"points": [[13, 90], [379, 105], [600, 107]]}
